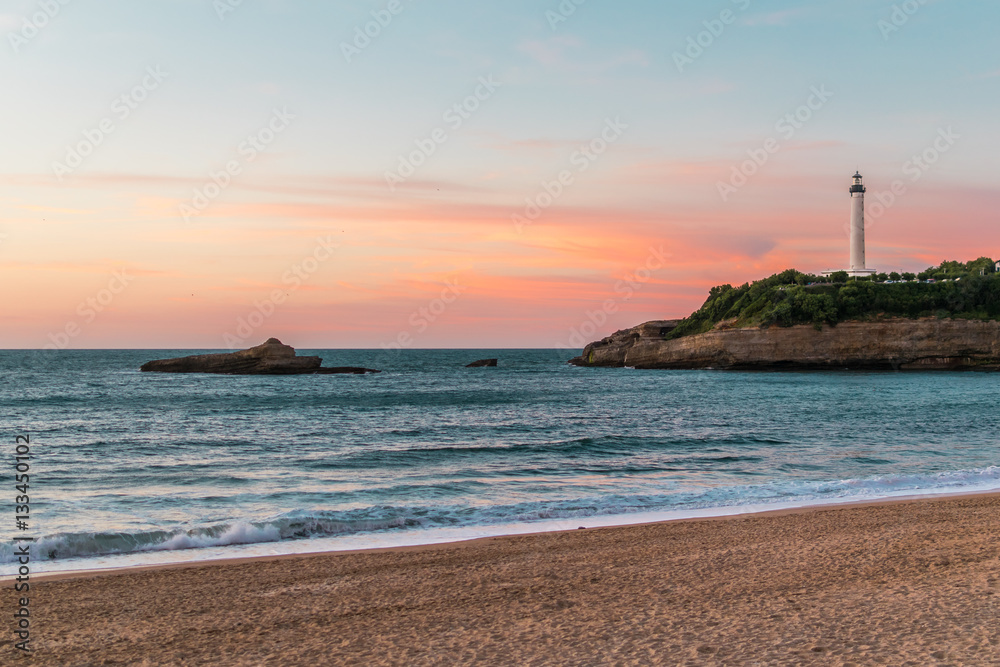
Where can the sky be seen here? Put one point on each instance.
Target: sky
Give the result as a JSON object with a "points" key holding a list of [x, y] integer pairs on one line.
{"points": [[422, 174]]}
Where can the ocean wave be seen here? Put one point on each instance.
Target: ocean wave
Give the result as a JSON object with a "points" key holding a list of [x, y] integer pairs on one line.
{"points": [[94, 544], [305, 524], [584, 446]]}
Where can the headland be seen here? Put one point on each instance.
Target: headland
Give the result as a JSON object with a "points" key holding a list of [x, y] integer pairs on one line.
{"points": [[947, 318]]}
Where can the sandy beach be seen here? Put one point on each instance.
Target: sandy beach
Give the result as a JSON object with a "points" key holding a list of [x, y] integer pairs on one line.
{"points": [[901, 583]]}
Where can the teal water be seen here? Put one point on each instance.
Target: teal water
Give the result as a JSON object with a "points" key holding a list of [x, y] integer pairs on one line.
{"points": [[135, 465]]}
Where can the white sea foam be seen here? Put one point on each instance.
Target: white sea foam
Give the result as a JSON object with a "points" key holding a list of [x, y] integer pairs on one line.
{"points": [[239, 533], [319, 534]]}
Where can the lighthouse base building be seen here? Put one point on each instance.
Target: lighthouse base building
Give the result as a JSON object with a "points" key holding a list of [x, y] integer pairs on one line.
{"points": [[857, 268]]}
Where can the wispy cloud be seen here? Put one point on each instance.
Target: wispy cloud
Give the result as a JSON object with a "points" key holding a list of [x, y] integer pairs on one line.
{"points": [[310, 186], [97, 266]]}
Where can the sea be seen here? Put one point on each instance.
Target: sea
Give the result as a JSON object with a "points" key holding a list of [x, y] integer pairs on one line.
{"points": [[131, 468]]}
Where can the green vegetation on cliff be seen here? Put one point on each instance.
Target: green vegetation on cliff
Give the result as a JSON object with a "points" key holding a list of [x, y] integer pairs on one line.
{"points": [[958, 290]]}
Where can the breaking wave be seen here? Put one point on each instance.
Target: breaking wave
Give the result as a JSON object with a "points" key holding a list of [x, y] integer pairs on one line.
{"points": [[303, 525]]}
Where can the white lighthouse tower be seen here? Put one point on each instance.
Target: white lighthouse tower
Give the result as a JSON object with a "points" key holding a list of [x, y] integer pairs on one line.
{"points": [[857, 267]]}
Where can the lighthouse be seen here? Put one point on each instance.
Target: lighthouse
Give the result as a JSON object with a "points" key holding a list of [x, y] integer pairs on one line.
{"points": [[857, 268]]}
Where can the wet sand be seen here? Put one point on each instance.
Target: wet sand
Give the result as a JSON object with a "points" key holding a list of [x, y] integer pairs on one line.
{"points": [[915, 582]]}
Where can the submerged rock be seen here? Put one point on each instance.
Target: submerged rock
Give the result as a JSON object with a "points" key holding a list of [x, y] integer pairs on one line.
{"points": [[271, 358], [483, 363]]}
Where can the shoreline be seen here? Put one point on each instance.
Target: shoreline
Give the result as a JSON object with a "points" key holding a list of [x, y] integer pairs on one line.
{"points": [[752, 511], [897, 582]]}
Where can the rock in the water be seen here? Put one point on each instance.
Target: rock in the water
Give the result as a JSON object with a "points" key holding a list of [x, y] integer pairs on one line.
{"points": [[483, 363], [271, 358]]}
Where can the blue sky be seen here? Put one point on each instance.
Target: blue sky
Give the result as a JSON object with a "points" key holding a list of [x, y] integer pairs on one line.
{"points": [[892, 92], [610, 59]]}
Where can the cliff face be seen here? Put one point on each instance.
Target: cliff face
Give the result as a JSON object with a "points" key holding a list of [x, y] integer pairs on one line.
{"points": [[900, 344]]}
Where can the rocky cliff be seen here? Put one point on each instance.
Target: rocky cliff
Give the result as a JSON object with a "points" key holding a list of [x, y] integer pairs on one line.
{"points": [[899, 344], [270, 358]]}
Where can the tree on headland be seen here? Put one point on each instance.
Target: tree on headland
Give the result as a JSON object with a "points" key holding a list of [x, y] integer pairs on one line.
{"points": [[839, 277], [961, 290], [981, 266], [951, 270]]}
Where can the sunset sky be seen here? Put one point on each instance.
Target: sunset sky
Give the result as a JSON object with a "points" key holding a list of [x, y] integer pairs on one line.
{"points": [[186, 173]]}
